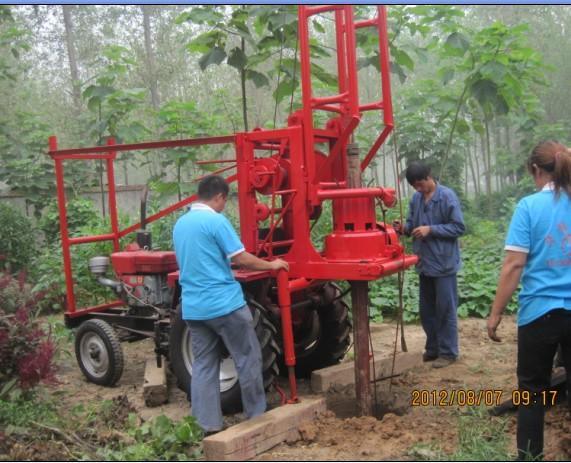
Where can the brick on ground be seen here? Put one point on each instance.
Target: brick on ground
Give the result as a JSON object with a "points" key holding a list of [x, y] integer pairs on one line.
{"points": [[252, 437], [344, 373]]}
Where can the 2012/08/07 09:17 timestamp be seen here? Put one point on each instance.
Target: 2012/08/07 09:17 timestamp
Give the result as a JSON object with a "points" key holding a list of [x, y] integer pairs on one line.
{"points": [[473, 397]]}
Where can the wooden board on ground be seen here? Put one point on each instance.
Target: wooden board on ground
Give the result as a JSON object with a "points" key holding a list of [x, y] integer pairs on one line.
{"points": [[344, 373], [252, 437], [155, 391]]}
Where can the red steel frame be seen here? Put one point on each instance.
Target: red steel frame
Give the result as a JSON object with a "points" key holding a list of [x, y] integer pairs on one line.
{"points": [[298, 177]]}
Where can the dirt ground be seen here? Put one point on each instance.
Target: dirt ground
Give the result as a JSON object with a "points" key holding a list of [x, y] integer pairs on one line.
{"points": [[402, 428]]}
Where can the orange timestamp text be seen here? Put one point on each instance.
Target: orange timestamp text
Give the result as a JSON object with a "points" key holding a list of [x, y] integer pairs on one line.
{"points": [[473, 397]]}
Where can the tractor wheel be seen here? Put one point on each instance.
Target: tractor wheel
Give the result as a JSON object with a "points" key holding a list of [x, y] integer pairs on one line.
{"points": [[181, 358], [324, 337], [98, 352]]}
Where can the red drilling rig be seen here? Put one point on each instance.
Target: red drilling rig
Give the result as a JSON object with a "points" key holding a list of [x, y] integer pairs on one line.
{"points": [[284, 176]]}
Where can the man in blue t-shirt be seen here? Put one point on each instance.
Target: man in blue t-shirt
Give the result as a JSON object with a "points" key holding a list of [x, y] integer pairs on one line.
{"points": [[435, 222], [213, 304]]}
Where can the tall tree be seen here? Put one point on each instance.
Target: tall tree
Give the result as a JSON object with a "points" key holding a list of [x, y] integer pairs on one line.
{"points": [[72, 57], [150, 57]]}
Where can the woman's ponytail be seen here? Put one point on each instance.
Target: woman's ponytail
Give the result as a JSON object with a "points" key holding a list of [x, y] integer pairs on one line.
{"points": [[562, 171], [554, 158]]}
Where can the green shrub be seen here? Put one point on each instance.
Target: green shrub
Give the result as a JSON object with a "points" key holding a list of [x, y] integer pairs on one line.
{"points": [[17, 245], [159, 439], [80, 212]]}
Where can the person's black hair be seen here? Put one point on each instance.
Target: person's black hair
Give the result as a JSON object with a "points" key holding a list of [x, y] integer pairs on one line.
{"points": [[417, 171], [211, 186]]}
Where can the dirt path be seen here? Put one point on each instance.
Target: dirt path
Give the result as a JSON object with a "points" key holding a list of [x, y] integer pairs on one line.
{"points": [[404, 432]]}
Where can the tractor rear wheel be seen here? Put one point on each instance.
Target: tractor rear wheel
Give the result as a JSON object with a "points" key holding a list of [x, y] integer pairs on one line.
{"points": [[325, 335], [181, 358], [98, 352]]}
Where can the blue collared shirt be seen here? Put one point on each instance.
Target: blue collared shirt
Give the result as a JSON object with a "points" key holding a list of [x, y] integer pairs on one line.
{"points": [[439, 253], [204, 243]]}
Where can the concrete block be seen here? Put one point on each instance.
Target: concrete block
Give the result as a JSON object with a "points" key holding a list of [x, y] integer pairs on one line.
{"points": [[344, 373], [252, 437], [155, 391]]}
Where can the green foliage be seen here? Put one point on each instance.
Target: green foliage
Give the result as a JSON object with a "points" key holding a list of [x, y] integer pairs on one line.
{"points": [[17, 245], [80, 212], [482, 257], [158, 440], [114, 106], [24, 165], [48, 268], [21, 412], [13, 41]]}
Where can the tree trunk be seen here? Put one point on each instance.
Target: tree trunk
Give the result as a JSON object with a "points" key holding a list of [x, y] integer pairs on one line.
{"points": [[477, 164], [488, 158], [150, 57], [72, 57], [474, 177]]}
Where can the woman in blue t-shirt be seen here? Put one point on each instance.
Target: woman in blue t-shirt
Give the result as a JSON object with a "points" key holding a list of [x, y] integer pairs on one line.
{"points": [[538, 253]]}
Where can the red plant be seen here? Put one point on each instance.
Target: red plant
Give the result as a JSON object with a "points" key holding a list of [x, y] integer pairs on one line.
{"points": [[26, 350]]}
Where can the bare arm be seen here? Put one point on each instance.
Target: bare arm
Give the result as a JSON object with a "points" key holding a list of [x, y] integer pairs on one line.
{"points": [[510, 275], [251, 262]]}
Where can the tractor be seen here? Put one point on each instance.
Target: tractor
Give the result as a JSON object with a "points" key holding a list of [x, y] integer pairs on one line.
{"points": [[284, 176]]}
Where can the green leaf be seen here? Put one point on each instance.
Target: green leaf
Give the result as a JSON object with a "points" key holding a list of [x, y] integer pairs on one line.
{"points": [[323, 75], [284, 89], [215, 56], [458, 42], [200, 15], [494, 70], [258, 78], [402, 58], [447, 75], [318, 27], [237, 59], [377, 301], [484, 91], [397, 69]]}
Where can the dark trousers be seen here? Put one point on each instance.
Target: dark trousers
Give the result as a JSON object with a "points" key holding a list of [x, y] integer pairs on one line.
{"points": [[438, 301], [536, 346]]}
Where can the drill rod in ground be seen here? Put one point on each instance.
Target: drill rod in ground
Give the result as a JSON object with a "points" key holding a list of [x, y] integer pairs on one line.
{"points": [[360, 299]]}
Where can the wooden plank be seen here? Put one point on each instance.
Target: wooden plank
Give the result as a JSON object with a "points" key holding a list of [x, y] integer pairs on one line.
{"points": [[252, 437], [155, 391], [344, 373]]}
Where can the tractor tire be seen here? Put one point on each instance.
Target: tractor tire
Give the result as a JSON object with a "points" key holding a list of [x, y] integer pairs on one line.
{"points": [[180, 356], [98, 352], [326, 338]]}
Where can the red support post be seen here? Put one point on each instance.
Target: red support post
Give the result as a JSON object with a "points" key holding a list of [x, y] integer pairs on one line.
{"points": [[284, 299], [60, 185], [111, 197]]}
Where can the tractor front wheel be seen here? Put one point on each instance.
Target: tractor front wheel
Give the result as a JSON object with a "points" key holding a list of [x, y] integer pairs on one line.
{"points": [[98, 352], [181, 358]]}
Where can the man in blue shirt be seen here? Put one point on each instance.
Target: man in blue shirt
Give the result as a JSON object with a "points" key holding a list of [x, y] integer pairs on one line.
{"points": [[435, 222], [213, 304]]}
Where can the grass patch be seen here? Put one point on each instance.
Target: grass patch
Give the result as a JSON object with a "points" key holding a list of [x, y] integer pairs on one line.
{"points": [[20, 412], [481, 437]]}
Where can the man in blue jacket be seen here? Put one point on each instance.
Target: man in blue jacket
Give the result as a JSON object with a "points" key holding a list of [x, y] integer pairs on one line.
{"points": [[435, 222]]}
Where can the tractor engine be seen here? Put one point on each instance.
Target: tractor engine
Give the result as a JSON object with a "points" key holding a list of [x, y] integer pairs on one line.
{"points": [[142, 276]]}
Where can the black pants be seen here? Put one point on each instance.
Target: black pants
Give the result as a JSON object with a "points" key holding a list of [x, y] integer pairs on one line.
{"points": [[537, 344]]}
